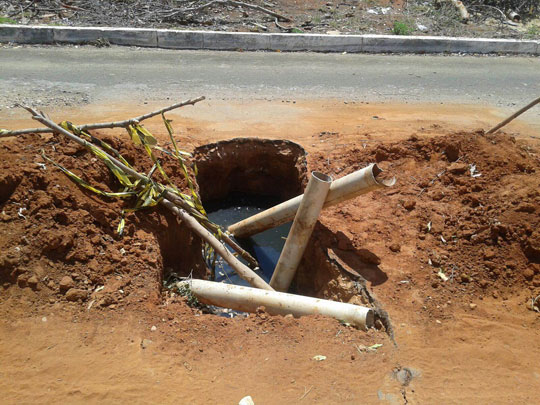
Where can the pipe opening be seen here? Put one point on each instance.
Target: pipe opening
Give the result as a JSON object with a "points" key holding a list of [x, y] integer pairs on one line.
{"points": [[322, 177], [370, 319], [383, 177]]}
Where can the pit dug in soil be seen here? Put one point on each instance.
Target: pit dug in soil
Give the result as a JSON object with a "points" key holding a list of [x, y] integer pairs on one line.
{"points": [[240, 177]]}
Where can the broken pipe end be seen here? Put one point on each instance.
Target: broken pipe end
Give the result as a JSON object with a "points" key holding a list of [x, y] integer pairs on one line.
{"points": [[385, 182]]}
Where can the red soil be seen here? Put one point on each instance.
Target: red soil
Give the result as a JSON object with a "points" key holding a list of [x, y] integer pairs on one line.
{"points": [[461, 338]]}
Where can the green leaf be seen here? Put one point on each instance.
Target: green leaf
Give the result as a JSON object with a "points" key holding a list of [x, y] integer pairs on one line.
{"points": [[78, 180]]}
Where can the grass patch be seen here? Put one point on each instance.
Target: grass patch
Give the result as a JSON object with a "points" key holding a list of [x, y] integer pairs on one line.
{"points": [[7, 20], [402, 28]]}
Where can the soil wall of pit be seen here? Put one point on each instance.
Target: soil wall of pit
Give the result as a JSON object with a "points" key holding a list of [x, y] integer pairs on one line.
{"points": [[267, 168]]}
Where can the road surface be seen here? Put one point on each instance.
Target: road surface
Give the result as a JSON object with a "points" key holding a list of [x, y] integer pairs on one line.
{"points": [[111, 72], [75, 76]]}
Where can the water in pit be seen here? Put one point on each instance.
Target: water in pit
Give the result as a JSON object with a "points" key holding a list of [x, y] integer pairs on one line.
{"points": [[265, 246]]}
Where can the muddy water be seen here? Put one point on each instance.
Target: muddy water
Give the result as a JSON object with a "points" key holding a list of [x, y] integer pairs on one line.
{"points": [[265, 246]]}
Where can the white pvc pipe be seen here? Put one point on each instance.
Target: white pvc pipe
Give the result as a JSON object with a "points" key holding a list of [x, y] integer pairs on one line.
{"points": [[301, 230], [248, 299], [357, 183]]}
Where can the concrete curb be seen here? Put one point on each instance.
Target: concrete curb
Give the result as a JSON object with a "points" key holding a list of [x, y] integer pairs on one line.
{"points": [[212, 40]]}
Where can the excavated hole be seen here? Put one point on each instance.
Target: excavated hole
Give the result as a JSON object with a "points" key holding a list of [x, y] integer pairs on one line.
{"points": [[242, 176]]}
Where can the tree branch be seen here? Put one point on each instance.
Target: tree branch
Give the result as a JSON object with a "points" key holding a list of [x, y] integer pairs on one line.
{"points": [[241, 269], [237, 4], [114, 124], [136, 120]]}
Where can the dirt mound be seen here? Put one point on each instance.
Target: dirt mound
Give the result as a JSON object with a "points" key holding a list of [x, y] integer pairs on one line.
{"points": [[59, 244], [61, 241], [464, 212]]}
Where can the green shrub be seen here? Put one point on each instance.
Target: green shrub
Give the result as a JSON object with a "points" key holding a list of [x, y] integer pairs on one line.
{"points": [[401, 28]]}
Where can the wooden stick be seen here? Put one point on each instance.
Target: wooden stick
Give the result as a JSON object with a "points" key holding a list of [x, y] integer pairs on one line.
{"points": [[262, 27], [136, 120], [259, 8], [244, 253], [242, 270], [238, 4], [237, 248], [513, 116], [281, 27], [5, 134], [73, 7], [57, 128], [114, 124], [22, 9], [503, 16]]}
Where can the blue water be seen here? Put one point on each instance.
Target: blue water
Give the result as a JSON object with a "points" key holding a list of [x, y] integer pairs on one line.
{"points": [[265, 246]]}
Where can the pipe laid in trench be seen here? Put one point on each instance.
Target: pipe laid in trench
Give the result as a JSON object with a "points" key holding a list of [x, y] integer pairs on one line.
{"points": [[248, 299], [357, 183], [301, 230]]}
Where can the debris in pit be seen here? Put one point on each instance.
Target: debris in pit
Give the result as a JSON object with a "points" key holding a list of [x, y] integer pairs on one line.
{"points": [[148, 193], [285, 211]]}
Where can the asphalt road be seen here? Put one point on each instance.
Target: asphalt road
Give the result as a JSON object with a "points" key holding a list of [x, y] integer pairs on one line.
{"points": [[77, 75]]}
